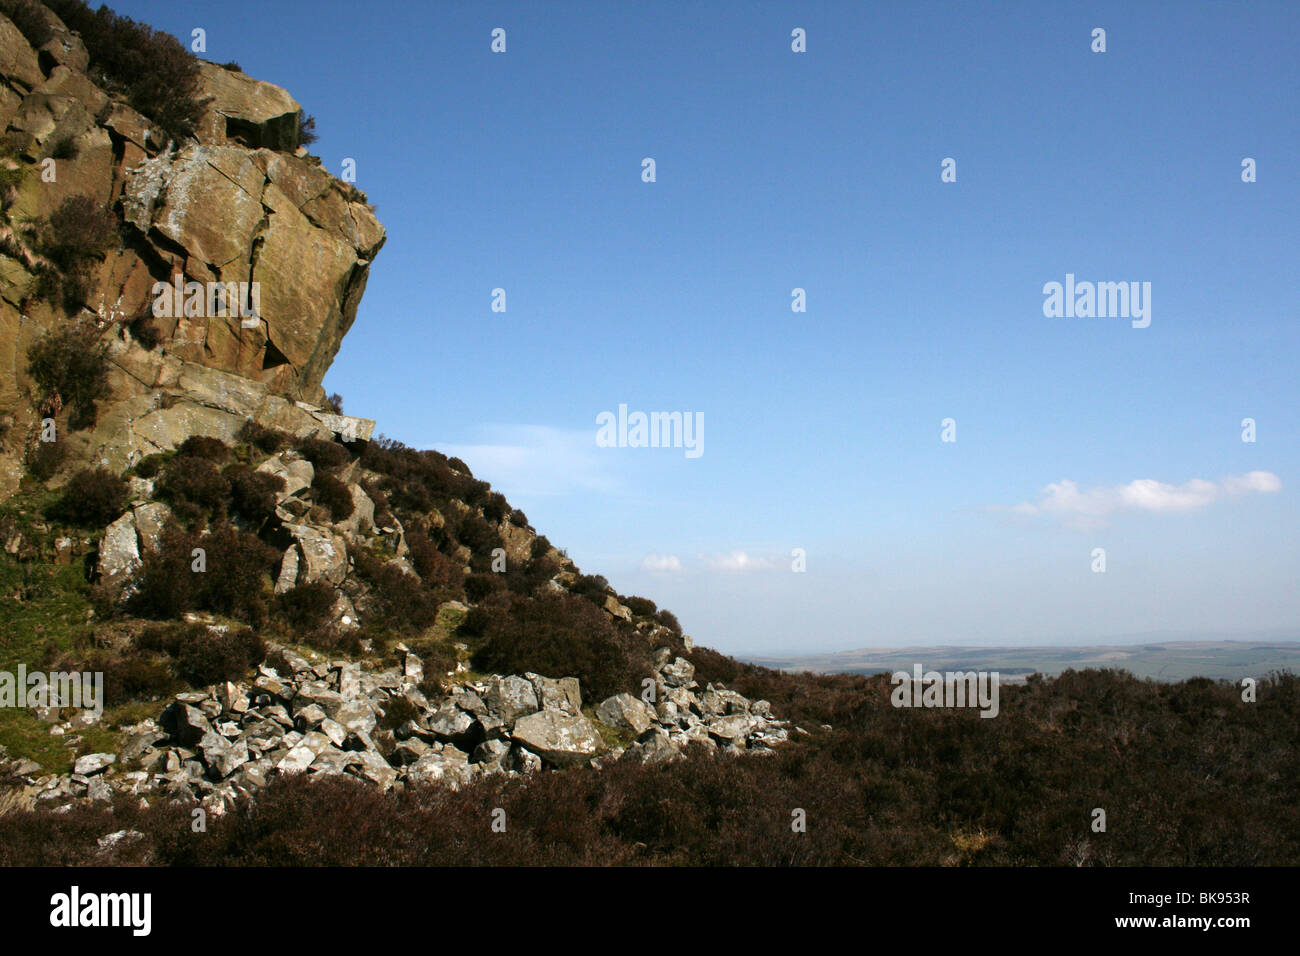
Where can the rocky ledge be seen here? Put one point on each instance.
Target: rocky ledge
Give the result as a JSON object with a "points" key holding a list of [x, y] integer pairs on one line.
{"points": [[339, 717]]}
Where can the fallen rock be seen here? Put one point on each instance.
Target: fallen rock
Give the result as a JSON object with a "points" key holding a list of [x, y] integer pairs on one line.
{"points": [[324, 555], [558, 737], [653, 748], [287, 578], [373, 767], [564, 694], [626, 713], [680, 673], [511, 698], [449, 766], [731, 729], [93, 764], [186, 724], [451, 723], [222, 756], [119, 551]]}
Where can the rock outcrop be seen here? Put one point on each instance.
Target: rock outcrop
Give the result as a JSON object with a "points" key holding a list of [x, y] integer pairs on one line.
{"points": [[240, 203], [237, 203]]}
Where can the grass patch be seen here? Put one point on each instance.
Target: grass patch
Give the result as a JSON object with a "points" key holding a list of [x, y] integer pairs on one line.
{"points": [[24, 736], [448, 620], [45, 607], [27, 509]]}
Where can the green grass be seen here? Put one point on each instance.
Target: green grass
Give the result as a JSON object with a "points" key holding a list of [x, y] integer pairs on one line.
{"points": [[42, 614], [45, 613], [43, 607], [448, 620], [24, 736], [437, 639]]}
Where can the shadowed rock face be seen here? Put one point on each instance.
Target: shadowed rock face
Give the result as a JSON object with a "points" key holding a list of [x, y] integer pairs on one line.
{"points": [[235, 204]]}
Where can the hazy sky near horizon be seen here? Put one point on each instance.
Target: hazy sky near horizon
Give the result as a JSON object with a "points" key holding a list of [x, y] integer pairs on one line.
{"points": [[821, 170]]}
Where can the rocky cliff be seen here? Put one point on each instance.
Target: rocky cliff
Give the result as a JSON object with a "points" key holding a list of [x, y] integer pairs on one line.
{"points": [[236, 202], [279, 590]]}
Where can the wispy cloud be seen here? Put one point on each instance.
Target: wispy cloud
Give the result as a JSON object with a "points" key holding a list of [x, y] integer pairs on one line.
{"points": [[661, 563], [736, 561], [530, 460], [1090, 507]]}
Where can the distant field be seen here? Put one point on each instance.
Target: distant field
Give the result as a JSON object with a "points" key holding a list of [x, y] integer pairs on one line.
{"points": [[1171, 661]]}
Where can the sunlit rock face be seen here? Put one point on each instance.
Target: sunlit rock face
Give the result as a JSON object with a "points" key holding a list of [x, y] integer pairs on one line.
{"points": [[247, 257]]}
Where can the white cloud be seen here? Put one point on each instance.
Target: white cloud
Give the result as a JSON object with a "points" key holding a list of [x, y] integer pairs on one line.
{"points": [[1064, 497], [1264, 481], [661, 563], [533, 460], [736, 561]]}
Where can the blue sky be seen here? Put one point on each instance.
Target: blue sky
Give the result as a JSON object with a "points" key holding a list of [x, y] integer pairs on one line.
{"points": [[821, 170]]}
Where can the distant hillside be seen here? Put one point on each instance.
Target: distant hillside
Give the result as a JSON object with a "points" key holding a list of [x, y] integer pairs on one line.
{"points": [[1168, 661]]}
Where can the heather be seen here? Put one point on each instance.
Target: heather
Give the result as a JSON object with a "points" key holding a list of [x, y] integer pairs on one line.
{"points": [[1188, 775]]}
